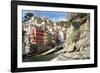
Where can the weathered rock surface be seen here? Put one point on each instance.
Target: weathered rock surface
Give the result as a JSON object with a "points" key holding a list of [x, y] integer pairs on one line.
{"points": [[79, 49]]}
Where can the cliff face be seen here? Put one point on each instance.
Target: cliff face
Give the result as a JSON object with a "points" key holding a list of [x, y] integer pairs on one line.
{"points": [[77, 44]]}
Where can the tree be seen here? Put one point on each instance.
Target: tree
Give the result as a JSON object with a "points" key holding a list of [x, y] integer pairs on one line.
{"points": [[28, 16]]}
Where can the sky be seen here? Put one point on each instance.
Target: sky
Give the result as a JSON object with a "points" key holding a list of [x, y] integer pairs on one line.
{"points": [[51, 15]]}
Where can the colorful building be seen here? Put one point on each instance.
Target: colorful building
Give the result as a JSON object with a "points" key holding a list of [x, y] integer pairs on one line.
{"points": [[37, 36]]}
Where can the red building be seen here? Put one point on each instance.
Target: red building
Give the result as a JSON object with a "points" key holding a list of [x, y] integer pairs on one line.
{"points": [[37, 36]]}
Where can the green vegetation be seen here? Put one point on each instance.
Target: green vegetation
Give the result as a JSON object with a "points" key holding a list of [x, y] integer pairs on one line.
{"points": [[28, 16], [75, 35], [81, 15]]}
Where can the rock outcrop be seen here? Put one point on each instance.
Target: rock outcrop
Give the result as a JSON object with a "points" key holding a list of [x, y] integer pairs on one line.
{"points": [[77, 44]]}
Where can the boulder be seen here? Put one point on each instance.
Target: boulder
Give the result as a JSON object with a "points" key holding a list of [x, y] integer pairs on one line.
{"points": [[70, 47]]}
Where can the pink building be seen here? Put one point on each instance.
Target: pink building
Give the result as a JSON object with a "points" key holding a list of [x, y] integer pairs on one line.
{"points": [[36, 36]]}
